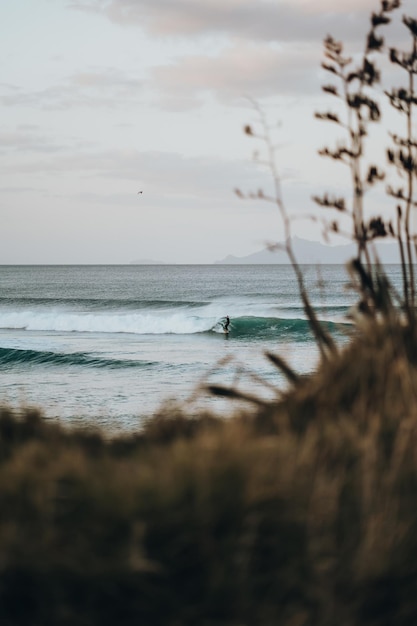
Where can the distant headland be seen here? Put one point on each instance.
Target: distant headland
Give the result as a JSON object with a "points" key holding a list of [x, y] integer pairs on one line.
{"points": [[147, 262], [313, 252], [306, 252]]}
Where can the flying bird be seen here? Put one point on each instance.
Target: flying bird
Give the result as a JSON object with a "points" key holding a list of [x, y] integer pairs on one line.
{"points": [[140, 192]]}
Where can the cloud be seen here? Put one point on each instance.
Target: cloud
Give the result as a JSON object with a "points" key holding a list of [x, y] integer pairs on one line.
{"points": [[168, 179], [256, 69], [268, 20], [244, 69], [20, 190], [25, 140], [272, 47], [264, 47], [108, 79], [106, 87]]}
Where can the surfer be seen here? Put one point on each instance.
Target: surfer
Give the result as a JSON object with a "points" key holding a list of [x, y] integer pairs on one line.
{"points": [[226, 324]]}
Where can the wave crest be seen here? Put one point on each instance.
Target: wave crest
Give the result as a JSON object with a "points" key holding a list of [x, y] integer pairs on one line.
{"points": [[257, 323], [14, 356]]}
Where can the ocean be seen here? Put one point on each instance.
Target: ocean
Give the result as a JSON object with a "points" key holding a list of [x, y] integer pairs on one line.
{"points": [[106, 346]]}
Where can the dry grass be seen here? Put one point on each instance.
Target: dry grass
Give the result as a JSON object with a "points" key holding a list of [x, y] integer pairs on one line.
{"points": [[303, 513]]}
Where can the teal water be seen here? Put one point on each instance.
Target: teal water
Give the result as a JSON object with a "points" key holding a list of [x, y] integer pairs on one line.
{"points": [[106, 345]]}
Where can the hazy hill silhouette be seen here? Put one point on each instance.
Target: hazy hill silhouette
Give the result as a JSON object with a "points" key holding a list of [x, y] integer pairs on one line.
{"points": [[308, 252]]}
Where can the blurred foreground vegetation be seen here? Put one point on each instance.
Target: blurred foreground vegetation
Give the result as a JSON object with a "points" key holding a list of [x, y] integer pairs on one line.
{"points": [[299, 512]]}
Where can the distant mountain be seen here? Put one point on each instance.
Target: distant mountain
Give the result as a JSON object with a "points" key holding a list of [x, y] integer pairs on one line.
{"points": [[312, 252], [146, 262]]}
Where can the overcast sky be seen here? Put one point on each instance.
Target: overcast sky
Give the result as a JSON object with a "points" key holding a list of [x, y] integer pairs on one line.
{"points": [[102, 98]]}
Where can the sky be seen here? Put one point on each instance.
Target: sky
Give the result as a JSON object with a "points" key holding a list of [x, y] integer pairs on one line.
{"points": [[100, 99]]}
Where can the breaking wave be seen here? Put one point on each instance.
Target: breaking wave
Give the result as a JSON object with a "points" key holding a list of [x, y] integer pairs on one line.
{"points": [[256, 324]]}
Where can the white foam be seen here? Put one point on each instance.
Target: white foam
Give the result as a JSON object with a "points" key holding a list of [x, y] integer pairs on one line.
{"points": [[145, 322], [136, 323]]}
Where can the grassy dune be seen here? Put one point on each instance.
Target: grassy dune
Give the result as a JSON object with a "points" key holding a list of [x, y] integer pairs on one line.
{"points": [[303, 512]]}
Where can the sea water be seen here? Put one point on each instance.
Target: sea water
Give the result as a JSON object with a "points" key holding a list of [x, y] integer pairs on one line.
{"points": [[107, 345]]}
